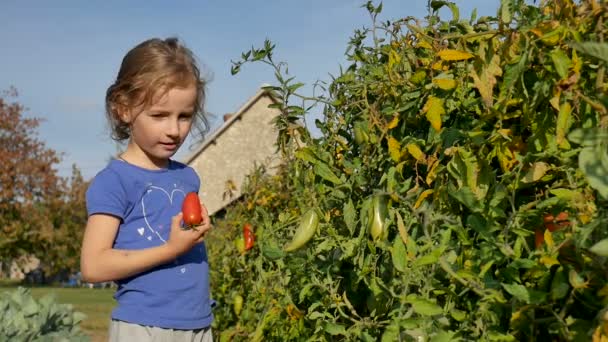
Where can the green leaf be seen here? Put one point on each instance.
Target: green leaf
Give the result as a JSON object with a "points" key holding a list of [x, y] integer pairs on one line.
{"points": [[563, 124], [350, 216], [480, 225], [588, 136], [506, 11], [597, 50], [524, 294], [425, 307], [306, 154], [513, 72], [437, 4], [271, 251], [500, 337], [600, 248], [465, 196], [399, 254], [445, 336], [391, 333], [561, 62], [559, 285], [430, 258], [335, 329], [458, 315], [293, 87], [322, 170], [594, 164]]}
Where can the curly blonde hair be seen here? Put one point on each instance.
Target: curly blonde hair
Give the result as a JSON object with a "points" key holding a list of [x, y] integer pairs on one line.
{"points": [[152, 66]]}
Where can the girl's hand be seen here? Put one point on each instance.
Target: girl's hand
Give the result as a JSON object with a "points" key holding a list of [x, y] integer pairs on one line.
{"points": [[182, 240], [205, 225]]}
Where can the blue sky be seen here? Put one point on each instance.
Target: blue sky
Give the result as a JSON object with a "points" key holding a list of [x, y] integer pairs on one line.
{"points": [[62, 55]]}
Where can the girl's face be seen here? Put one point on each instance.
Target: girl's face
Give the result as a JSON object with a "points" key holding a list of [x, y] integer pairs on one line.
{"points": [[158, 131]]}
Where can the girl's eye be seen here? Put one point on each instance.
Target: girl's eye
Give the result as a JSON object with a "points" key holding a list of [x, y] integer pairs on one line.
{"points": [[186, 116]]}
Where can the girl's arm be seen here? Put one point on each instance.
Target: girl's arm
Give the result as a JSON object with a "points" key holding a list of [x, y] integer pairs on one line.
{"points": [[100, 262]]}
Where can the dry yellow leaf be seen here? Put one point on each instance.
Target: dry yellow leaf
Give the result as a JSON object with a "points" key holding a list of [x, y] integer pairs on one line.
{"points": [[393, 123], [415, 152], [445, 83], [548, 261], [454, 55], [549, 239], [536, 172], [401, 228], [423, 195], [432, 174], [434, 110], [437, 66], [394, 149], [424, 44], [485, 79]]}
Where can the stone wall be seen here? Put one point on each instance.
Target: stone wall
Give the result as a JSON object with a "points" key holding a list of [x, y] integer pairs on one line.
{"points": [[250, 138]]}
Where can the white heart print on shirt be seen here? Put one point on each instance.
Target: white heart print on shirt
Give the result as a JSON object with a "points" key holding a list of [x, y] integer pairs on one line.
{"points": [[157, 194]]}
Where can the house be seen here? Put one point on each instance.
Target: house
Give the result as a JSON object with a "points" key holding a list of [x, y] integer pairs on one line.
{"points": [[246, 138]]}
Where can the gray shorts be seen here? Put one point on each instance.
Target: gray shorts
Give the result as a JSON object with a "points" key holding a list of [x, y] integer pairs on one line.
{"points": [[128, 332]]}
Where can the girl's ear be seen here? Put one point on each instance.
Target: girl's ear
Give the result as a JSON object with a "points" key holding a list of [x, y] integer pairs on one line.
{"points": [[123, 114]]}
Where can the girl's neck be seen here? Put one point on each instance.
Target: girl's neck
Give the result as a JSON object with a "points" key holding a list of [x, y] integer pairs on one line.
{"points": [[141, 159]]}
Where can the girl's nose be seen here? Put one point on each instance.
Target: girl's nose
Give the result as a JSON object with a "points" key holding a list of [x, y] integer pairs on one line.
{"points": [[173, 128]]}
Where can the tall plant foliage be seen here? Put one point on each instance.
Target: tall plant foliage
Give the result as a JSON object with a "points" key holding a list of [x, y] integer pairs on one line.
{"points": [[485, 141]]}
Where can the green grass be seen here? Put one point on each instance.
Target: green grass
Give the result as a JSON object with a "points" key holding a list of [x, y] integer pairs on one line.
{"points": [[97, 304]]}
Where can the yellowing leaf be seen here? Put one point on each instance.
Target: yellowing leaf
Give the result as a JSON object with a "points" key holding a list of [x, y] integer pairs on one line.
{"points": [[576, 280], [563, 119], [536, 172], [393, 58], [434, 110], [506, 157], [515, 316], [577, 63], [424, 44], [423, 195], [415, 152], [485, 79], [548, 261], [437, 65], [549, 239], [505, 132], [393, 123], [418, 77], [394, 149], [454, 55], [432, 174], [555, 101], [445, 83], [401, 227], [603, 292]]}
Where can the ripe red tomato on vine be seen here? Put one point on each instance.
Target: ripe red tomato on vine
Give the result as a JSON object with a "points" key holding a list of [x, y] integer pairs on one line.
{"points": [[248, 236], [556, 222]]}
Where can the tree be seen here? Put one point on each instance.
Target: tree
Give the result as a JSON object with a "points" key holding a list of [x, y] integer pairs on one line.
{"points": [[36, 204]]}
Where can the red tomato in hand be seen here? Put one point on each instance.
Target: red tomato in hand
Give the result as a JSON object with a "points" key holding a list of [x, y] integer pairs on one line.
{"points": [[191, 208]]}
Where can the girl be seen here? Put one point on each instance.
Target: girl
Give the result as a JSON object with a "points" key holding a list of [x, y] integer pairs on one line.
{"points": [[133, 234]]}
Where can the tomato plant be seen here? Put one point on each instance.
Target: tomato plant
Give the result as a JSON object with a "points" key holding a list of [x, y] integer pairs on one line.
{"points": [[459, 185]]}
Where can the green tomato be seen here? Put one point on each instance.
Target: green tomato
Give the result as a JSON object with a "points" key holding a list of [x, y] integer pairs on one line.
{"points": [[237, 304], [239, 243]]}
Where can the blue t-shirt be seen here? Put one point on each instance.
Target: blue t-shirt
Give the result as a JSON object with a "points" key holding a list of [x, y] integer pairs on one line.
{"points": [[174, 295]]}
